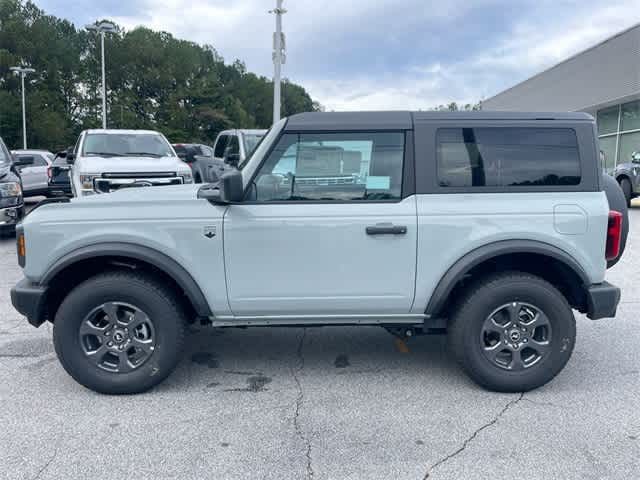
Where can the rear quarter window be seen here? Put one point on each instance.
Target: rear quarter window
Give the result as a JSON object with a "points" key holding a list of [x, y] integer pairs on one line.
{"points": [[507, 157]]}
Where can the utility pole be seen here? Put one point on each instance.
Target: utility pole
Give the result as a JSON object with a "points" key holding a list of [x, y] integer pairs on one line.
{"points": [[103, 28], [23, 72], [279, 58]]}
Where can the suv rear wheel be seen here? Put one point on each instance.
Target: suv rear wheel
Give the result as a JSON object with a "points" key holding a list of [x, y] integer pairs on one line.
{"points": [[512, 332], [119, 332]]}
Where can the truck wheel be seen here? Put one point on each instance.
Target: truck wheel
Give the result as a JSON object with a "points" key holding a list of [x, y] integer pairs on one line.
{"points": [[512, 332], [119, 333], [625, 184]]}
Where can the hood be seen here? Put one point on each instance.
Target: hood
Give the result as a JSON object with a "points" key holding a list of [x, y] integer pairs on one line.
{"points": [[130, 164], [174, 193]]}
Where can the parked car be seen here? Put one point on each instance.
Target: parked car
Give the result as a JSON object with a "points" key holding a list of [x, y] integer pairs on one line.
{"points": [[235, 146], [58, 176], [491, 226], [11, 199], [205, 168], [107, 160], [628, 176], [34, 176]]}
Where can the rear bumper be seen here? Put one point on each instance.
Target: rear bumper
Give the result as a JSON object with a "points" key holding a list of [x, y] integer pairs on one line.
{"points": [[602, 300], [31, 301], [60, 190]]}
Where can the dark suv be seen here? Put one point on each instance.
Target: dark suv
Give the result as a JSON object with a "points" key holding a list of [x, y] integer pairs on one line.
{"points": [[628, 176], [11, 199]]}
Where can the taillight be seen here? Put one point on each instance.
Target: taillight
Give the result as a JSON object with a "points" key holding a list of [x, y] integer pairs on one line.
{"points": [[614, 235], [49, 173]]}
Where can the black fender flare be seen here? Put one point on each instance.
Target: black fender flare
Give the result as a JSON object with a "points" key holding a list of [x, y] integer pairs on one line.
{"points": [[492, 250], [136, 252]]}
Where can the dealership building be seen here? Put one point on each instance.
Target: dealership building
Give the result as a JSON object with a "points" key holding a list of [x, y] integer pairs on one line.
{"points": [[603, 80]]}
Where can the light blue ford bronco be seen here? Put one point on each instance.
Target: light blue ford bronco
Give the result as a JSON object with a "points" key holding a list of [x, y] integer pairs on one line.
{"points": [[490, 227]]}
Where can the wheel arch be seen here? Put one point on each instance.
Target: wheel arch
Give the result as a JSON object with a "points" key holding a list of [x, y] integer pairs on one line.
{"points": [[80, 264], [623, 176], [562, 270]]}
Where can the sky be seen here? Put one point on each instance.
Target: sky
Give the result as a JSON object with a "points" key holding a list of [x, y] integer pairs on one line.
{"points": [[381, 54]]}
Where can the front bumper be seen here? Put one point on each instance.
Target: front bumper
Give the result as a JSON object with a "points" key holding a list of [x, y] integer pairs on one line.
{"points": [[9, 217], [31, 301], [602, 300]]}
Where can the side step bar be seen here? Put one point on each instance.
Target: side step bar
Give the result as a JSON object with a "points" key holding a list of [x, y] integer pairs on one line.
{"points": [[316, 320]]}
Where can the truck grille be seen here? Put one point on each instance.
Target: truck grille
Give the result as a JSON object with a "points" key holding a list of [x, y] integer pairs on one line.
{"points": [[110, 182]]}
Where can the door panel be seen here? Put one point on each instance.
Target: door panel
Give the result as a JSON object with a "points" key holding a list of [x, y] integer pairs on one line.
{"points": [[34, 177], [317, 258]]}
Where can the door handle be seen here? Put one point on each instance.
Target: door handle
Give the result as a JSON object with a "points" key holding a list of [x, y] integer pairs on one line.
{"points": [[386, 229]]}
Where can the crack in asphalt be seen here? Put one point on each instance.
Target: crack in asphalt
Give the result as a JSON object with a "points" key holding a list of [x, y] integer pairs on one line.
{"points": [[46, 465], [299, 402], [473, 436]]}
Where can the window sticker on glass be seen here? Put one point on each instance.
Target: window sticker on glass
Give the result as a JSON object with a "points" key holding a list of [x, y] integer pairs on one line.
{"points": [[378, 183]]}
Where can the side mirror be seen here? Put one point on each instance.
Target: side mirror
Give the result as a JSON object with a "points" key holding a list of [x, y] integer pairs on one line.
{"points": [[22, 161], [229, 190], [190, 155], [71, 157]]}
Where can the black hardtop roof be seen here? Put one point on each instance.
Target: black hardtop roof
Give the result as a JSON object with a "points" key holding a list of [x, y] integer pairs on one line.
{"points": [[403, 120]]}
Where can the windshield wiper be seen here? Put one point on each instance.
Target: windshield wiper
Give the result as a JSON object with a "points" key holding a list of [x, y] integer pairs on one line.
{"points": [[102, 154], [143, 154]]}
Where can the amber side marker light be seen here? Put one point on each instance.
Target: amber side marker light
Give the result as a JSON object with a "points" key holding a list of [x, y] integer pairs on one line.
{"points": [[22, 249]]}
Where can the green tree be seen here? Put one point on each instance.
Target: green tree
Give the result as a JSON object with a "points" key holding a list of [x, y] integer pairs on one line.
{"points": [[154, 80]]}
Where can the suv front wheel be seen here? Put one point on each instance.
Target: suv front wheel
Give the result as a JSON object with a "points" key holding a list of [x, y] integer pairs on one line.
{"points": [[512, 332], [119, 332]]}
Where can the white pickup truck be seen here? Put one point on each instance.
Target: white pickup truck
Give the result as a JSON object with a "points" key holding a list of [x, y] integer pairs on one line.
{"points": [[108, 160]]}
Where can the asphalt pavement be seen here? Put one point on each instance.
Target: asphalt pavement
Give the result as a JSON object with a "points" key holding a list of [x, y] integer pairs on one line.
{"points": [[324, 403]]}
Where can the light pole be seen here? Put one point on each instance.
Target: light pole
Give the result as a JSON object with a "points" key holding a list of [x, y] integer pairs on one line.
{"points": [[279, 58], [103, 28], [23, 72]]}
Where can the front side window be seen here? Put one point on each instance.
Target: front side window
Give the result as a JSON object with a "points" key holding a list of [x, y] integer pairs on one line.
{"points": [[126, 145], [333, 167], [38, 160], [507, 157]]}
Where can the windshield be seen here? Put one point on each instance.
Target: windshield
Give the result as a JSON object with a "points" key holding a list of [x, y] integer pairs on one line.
{"points": [[126, 145], [251, 141]]}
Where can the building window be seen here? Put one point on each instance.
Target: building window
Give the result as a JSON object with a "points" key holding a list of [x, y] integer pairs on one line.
{"points": [[631, 116], [628, 145], [608, 120], [619, 133], [608, 149]]}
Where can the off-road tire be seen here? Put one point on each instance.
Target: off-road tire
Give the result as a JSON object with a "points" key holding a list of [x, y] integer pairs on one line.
{"points": [[146, 293], [482, 298]]}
